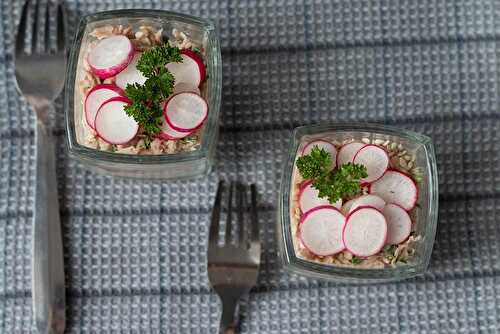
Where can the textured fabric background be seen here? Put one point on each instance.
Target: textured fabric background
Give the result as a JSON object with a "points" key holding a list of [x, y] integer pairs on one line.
{"points": [[135, 251]]}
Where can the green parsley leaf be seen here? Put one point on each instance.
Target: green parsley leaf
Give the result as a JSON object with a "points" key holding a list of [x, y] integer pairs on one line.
{"points": [[314, 164], [146, 99], [155, 59], [356, 260], [333, 185]]}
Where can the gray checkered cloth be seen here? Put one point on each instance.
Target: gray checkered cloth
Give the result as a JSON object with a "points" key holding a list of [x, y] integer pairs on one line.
{"points": [[135, 252]]}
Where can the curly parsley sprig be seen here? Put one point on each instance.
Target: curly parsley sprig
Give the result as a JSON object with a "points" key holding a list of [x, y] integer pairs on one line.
{"points": [[146, 98], [342, 182]]}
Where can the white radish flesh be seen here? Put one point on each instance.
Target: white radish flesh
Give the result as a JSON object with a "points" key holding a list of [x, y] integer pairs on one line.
{"points": [[199, 61], [347, 152], [188, 71], [396, 187], [110, 56], [112, 122], [365, 231], [185, 112], [130, 75], [308, 198], [322, 144], [320, 230], [185, 87], [375, 159], [398, 224], [167, 133], [96, 97], [368, 200]]}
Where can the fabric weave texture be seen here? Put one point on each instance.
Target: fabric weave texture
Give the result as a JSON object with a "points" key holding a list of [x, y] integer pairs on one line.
{"points": [[135, 252]]}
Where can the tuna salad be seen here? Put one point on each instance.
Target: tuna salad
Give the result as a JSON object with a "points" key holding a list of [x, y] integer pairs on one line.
{"points": [[353, 203], [140, 92]]}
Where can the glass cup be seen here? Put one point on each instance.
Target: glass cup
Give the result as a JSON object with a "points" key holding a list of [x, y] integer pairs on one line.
{"points": [[425, 218], [167, 166]]}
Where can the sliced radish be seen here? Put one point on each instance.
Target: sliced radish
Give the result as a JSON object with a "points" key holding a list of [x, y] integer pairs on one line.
{"points": [[110, 56], [365, 231], [396, 187], [186, 111], [96, 97], [185, 87], [199, 61], [130, 74], [375, 159], [368, 200], [308, 198], [398, 224], [326, 145], [347, 152], [112, 122], [320, 230], [167, 133], [190, 71]]}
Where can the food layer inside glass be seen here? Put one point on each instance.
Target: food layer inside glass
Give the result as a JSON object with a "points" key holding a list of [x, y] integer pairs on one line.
{"points": [[139, 92], [354, 202]]}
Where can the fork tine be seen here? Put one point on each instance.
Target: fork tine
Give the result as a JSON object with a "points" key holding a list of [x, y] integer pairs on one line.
{"points": [[214, 223], [241, 204], [42, 26], [253, 214], [21, 30], [229, 220]]}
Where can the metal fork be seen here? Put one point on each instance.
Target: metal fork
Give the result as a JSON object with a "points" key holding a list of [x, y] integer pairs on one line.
{"points": [[40, 70], [233, 270]]}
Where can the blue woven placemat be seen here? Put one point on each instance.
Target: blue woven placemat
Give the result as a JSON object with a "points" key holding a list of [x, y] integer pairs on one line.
{"points": [[135, 251]]}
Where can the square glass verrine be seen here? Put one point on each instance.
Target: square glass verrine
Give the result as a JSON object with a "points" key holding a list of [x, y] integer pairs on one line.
{"points": [[424, 220], [167, 166]]}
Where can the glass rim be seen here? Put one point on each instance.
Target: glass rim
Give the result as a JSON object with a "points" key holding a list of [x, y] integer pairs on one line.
{"points": [[295, 264], [210, 131]]}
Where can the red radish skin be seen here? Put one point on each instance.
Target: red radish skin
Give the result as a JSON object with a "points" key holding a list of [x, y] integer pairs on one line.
{"points": [[326, 145], [131, 75], [320, 230], [96, 97], [375, 159], [167, 133], [199, 61], [187, 71], [308, 198], [112, 124], [398, 224], [396, 187], [365, 231], [185, 112], [367, 200], [110, 56], [347, 152]]}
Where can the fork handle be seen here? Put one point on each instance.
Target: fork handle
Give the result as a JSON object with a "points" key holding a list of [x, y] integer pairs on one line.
{"points": [[47, 252], [229, 318]]}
